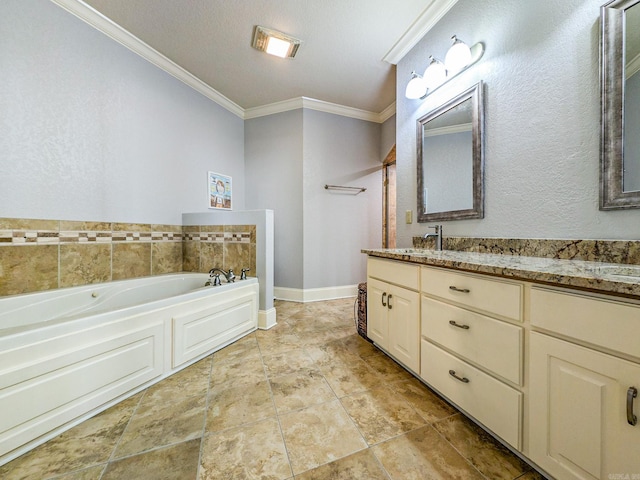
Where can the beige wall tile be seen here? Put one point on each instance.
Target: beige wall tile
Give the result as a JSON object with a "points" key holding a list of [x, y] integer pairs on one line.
{"points": [[131, 260], [28, 224], [190, 256], [131, 227], [237, 256], [28, 268], [166, 257], [66, 225], [211, 255], [82, 264], [166, 228]]}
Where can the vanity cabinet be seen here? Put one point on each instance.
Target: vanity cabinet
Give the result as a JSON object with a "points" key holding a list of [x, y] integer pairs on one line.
{"points": [[472, 346], [584, 369], [393, 310]]}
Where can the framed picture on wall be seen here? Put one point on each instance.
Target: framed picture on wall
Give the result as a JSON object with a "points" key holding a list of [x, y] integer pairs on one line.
{"points": [[219, 191]]}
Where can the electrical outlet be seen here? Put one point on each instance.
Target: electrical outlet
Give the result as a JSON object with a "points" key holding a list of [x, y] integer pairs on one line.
{"points": [[408, 216]]}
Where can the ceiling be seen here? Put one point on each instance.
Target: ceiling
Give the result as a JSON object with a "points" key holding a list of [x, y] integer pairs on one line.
{"points": [[341, 59]]}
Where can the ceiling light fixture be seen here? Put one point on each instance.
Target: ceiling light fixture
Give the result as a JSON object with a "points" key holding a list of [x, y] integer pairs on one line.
{"points": [[274, 42], [458, 59]]}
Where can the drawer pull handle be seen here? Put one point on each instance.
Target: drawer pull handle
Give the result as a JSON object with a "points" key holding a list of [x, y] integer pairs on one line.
{"points": [[453, 322], [631, 394], [383, 297], [461, 290], [462, 379], [389, 301]]}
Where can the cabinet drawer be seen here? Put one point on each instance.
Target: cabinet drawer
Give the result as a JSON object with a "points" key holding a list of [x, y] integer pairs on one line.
{"points": [[496, 297], [493, 344], [398, 273], [606, 323], [491, 402]]}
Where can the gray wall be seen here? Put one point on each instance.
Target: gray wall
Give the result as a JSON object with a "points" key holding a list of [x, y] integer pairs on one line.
{"points": [[542, 120], [91, 131], [340, 151], [273, 159], [387, 137]]}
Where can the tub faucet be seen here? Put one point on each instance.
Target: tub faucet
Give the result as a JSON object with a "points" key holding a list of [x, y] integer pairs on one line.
{"points": [[243, 275], [230, 276], [437, 235]]}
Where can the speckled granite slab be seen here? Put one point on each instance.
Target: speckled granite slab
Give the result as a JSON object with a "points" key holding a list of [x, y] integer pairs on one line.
{"points": [[611, 278], [611, 251]]}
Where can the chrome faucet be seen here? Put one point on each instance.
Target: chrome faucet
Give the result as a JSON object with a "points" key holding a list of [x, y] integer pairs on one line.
{"points": [[230, 276], [437, 235]]}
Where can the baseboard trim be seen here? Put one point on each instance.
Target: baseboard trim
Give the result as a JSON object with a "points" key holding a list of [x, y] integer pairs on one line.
{"points": [[314, 294], [267, 319]]}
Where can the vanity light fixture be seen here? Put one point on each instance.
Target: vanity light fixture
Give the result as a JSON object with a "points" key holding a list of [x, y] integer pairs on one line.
{"points": [[458, 58], [274, 42]]}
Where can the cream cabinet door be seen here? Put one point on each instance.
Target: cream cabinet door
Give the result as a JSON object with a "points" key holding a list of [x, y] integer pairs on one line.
{"points": [[579, 409], [377, 312], [404, 326]]}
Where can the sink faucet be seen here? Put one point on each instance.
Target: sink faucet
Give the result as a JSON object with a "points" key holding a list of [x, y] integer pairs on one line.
{"points": [[230, 276], [437, 235]]}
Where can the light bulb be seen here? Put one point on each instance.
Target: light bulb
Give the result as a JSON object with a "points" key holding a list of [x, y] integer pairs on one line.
{"points": [[416, 88], [435, 74], [458, 56]]}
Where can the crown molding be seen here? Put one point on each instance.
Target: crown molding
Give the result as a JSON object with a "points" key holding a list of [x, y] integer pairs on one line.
{"points": [[418, 29], [114, 31], [320, 106]]}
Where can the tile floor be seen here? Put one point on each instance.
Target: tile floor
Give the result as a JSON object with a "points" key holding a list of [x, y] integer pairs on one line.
{"points": [[308, 399]]}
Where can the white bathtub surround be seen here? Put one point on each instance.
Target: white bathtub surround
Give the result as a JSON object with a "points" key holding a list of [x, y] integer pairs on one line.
{"points": [[67, 354]]}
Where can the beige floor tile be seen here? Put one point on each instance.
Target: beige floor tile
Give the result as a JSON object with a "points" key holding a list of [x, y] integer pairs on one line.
{"points": [[247, 452], [278, 343], [174, 462], [318, 435], [299, 390], [156, 425], [386, 369], [287, 362], [331, 354], [491, 458], [531, 475], [91, 473], [381, 414], [359, 466], [428, 405], [238, 372], [348, 379], [85, 445], [236, 406], [423, 455], [241, 349], [354, 343], [191, 381]]}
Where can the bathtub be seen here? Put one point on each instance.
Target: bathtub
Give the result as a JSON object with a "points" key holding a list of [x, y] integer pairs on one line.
{"points": [[70, 353]]}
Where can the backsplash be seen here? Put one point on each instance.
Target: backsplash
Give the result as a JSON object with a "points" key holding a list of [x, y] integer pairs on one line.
{"points": [[610, 251], [40, 255]]}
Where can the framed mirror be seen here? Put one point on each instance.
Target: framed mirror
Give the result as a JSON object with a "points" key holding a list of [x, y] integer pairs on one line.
{"points": [[450, 148], [620, 105]]}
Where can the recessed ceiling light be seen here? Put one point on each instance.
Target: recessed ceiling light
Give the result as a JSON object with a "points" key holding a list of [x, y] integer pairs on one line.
{"points": [[274, 42]]}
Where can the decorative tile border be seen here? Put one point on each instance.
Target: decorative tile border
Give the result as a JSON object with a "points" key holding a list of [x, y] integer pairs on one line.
{"points": [[49, 237]]}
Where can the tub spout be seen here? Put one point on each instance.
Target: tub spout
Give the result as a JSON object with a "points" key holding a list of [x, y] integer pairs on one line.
{"points": [[230, 276]]}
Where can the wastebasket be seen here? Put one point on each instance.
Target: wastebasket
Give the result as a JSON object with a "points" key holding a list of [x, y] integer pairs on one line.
{"points": [[361, 320]]}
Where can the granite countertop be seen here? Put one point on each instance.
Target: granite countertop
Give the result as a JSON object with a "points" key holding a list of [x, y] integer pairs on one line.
{"points": [[611, 278]]}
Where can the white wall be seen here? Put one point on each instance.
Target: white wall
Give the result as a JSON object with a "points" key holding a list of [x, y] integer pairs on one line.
{"points": [[273, 159], [91, 131], [542, 120], [340, 151]]}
